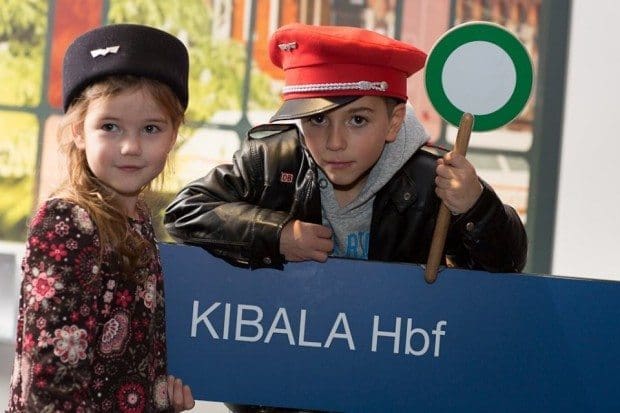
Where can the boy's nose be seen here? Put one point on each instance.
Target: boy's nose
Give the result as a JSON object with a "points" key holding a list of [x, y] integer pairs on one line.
{"points": [[335, 139]]}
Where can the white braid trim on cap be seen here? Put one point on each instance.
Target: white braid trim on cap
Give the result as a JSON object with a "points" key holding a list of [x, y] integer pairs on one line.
{"points": [[326, 87]]}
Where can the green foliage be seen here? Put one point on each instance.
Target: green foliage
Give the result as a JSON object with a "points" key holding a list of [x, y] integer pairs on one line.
{"points": [[23, 23], [15, 206], [17, 162], [190, 15], [23, 27], [20, 78], [261, 94], [18, 144]]}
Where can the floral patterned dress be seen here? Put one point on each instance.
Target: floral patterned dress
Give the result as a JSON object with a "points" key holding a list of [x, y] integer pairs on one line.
{"points": [[88, 338]]}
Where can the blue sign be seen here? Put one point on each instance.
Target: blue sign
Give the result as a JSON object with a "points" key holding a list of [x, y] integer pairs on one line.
{"points": [[359, 336]]}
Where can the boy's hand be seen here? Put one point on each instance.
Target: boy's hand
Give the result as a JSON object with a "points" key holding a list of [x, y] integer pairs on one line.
{"points": [[180, 395], [302, 241], [457, 183]]}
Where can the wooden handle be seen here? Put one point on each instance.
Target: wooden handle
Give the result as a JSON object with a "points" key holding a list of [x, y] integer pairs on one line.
{"points": [[443, 217]]}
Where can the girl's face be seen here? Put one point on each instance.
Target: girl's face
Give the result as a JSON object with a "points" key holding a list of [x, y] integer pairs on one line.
{"points": [[126, 138]]}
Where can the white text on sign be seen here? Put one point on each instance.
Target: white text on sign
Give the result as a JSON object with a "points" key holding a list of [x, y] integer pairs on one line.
{"points": [[249, 326]]}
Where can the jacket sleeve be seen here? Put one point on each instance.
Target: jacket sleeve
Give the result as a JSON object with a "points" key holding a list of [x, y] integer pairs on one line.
{"points": [[58, 314], [492, 236], [221, 212]]}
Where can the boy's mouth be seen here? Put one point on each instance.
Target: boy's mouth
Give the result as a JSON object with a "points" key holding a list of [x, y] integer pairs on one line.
{"points": [[339, 164]]}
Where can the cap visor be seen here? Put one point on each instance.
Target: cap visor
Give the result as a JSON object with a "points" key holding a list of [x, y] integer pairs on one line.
{"points": [[300, 108]]}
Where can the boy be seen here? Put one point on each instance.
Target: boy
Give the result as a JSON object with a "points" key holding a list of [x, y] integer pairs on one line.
{"points": [[357, 183]]}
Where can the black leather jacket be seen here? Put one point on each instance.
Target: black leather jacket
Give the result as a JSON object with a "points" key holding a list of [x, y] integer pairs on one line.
{"points": [[238, 210]]}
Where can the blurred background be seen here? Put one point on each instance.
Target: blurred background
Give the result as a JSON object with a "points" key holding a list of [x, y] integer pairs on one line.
{"points": [[555, 163]]}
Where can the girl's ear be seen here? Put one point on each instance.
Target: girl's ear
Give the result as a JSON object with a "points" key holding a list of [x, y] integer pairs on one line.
{"points": [[173, 141], [396, 121], [78, 136]]}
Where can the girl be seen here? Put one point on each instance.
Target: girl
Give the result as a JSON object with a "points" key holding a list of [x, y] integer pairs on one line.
{"points": [[91, 327]]}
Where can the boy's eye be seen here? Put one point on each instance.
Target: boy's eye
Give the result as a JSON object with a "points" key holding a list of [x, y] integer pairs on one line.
{"points": [[357, 120], [317, 119], [152, 129]]}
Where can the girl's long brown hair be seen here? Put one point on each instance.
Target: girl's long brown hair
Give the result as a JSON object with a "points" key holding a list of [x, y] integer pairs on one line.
{"points": [[83, 188]]}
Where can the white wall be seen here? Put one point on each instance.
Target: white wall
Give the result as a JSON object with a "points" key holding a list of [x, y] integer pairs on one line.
{"points": [[587, 235]]}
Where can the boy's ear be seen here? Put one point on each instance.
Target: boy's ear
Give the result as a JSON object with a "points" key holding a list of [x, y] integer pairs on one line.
{"points": [[396, 121]]}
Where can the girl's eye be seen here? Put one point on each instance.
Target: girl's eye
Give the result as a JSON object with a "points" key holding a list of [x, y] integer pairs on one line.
{"points": [[152, 129], [109, 127], [357, 120]]}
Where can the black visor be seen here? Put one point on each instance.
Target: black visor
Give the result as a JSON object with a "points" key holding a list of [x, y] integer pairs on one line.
{"points": [[300, 108]]}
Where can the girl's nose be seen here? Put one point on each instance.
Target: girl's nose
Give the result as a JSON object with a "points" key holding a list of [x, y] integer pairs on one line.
{"points": [[131, 144]]}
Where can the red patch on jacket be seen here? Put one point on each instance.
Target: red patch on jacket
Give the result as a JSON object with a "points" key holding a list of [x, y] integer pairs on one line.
{"points": [[286, 177]]}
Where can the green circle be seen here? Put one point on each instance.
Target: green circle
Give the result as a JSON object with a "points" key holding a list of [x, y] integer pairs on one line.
{"points": [[487, 32]]}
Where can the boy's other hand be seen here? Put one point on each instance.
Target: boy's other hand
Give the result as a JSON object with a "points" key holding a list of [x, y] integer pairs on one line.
{"points": [[302, 241], [457, 183], [180, 395]]}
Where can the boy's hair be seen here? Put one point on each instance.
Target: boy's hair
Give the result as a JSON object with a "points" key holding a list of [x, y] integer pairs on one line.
{"points": [[391, 103], [85, 189]]}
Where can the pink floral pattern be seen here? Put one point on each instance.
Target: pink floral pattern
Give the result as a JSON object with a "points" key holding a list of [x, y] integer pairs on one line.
{"points": [[131, 398], [70, 344], [82, 220], [160, 393], [58, 252], [88, 337], [149, 292], [62, 229], [43, 285], [115, 334]]}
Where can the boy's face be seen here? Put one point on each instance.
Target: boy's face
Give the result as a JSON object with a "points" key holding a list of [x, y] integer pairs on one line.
{"points": [[347, 142]]}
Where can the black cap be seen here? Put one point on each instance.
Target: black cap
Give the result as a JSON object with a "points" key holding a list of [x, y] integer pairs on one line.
{"points": [[300, 108], [125, 49]]}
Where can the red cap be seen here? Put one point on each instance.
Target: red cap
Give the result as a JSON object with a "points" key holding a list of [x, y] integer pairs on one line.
{"points": [[334, 62]]}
